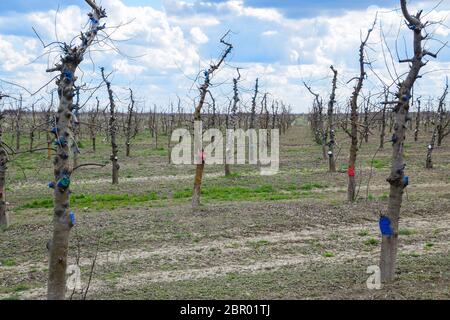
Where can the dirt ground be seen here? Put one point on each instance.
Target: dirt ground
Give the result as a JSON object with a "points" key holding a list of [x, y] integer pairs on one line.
{"points": [[288, 236]]}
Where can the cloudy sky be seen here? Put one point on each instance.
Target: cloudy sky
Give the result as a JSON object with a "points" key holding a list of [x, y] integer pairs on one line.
{"points": [[162, 45]]}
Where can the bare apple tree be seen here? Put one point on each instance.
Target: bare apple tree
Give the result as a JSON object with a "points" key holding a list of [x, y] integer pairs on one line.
{"points": [[232, 125], [443, 123], [204, 89], [130, 126], [439, 131], [331, 128], [112, 130], [63, 219], [4, 218], [398, 180], [317, 123], [354, 115]]}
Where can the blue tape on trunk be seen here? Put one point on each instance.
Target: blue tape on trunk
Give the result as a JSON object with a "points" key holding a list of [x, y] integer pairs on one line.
{"points": [[72, 218], [68, 75], [64, 182], [406, 181], [60, 142], [385, 226]]}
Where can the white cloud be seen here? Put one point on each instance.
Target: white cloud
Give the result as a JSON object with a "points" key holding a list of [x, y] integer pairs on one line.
{"points": [[10, 57], [269, 33], [198, 36], [123, 67]]}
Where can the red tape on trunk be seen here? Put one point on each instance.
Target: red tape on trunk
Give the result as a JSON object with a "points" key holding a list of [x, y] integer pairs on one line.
{"points": [[351, 171]]}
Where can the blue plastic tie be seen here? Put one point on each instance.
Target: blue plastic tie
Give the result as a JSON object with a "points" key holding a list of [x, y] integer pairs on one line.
{"points": [[64, 182], [385, 226], [394, 138], [61, 142], [406, 181], [68, 75], [72, 218]]}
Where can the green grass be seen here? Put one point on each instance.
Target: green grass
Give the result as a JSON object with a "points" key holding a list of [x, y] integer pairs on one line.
{"points": [[429, 245], [311, 186], [101, 201], [12, 297], [379, 163], [8, 262], [363, 233], [406, 232], [258, 244], [384, 196], [371, 242], [17, 288], [242, 193], [113, 275], [21, 287], [233, 175]]}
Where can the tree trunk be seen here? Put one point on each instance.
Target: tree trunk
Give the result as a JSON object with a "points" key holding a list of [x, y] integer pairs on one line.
{"points": [[197, 185], [391, 121], [383, 127], [62, 219], [4, 219], [17, 136], [31, 141], [365, 133], [76, 128], [441, 116], [62, 170], [129, 131], [112, 131], [429, 161], [331, 159], [230, 135], [49, 146], [253, 109], [397, 179], [351, 190], [416, 131]]}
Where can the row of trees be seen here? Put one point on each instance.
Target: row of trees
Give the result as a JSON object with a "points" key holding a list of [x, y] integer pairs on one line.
{"points": [[394, 107], [64, 129]]}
